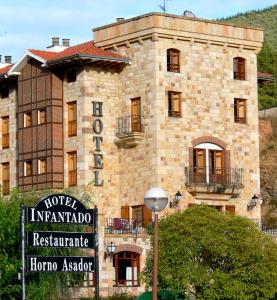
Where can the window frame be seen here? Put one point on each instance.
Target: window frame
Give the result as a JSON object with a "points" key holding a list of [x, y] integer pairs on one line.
{"points": [[72, 122], [5, 133], [171, 53], [40, 160], [25, 169], [5, 182], [171, 112], [39, 116], [25, 120], [237, 117], [72, 172], [135, 262], [239, 68]]}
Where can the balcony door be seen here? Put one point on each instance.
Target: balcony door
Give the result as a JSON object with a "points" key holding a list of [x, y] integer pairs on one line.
{"points": [[208, 164], [135, 115], [216, 170]]}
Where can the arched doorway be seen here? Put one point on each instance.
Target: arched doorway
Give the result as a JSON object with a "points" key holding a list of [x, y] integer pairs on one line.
{"points": [[126, 266]]}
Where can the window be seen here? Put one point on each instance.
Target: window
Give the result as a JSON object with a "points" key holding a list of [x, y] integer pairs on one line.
{"points": [[42, 166], [126, 266], [71, 76], [4, 91], [208, 164], [230, 209], [141, 214], [72, 119], [240, 110], [135, 115], [28, 168], [72, 168], [5, 132], [27, 119], [41, 116], [5, 178], [173, 60], [174, 104], [239, 68]]}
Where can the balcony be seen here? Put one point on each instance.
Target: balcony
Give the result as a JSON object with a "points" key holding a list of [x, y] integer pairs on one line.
{"points": [[127, 226], [129, 130], [224, 181]]}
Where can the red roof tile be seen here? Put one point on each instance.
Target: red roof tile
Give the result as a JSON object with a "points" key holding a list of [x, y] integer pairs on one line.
{"points": [[5, 69], [87, 48], [259, 74]]}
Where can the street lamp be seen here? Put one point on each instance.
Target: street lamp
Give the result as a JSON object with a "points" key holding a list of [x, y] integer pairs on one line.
{"points": [[177, 198], [156, 200], [110, 249]]}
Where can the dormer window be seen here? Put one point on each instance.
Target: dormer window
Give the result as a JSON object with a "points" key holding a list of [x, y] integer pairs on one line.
{"points": [[239, 68], [173, 60]]}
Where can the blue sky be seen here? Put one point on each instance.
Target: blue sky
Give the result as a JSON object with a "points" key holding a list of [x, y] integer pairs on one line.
{"points": [[31, 23]]}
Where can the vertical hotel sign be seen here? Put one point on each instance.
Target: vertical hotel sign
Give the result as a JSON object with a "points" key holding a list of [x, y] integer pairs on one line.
{"points": [[97, 127], [59, 209]]}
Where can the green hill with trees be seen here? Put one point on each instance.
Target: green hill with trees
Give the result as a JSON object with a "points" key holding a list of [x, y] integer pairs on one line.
{"points": [[267, 58]]}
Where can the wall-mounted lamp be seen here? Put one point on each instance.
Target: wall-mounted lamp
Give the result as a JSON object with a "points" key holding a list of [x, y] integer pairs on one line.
{"points": [[254, 201], [110, 250], [177, 198]]}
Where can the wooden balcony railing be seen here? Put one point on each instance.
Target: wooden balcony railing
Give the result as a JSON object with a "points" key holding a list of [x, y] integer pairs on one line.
{"points": [[72, 128], [72, 178], [127, 226], [5, 187], [5, 140]]}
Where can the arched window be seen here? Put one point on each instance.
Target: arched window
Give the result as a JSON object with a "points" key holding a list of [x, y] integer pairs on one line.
{"points": [[239, 68], [208, 163], [173, 60], [126, 267]]}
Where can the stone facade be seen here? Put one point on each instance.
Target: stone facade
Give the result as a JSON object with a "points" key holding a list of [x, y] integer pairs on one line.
{"points": [[158, 154]]}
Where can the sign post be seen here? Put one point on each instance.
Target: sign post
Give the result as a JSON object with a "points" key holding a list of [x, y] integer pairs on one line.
{"points": [[60, 209], [22, 235]]}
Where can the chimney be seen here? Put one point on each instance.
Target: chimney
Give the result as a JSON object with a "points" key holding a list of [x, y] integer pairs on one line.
{"points": [[66, 42], [8, 59], [119, 19], [55, 41]]}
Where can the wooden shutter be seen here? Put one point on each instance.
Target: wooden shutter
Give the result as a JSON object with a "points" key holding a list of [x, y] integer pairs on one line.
{"points": [[135, 115], [125, 212], [174, 104], [147, 216], [5, 132], [72, 119], [230, 208]]}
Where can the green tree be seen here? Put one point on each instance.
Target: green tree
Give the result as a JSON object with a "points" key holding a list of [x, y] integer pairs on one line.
{"points": [[210, 255]]}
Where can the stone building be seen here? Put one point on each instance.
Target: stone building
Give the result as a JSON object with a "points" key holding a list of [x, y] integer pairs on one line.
{"points": [[156, 100]]}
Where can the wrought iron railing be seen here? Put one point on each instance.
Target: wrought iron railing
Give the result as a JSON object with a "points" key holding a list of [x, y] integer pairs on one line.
{"points": [[229, 177], [128, 125], [267, 226], [128, 226]]}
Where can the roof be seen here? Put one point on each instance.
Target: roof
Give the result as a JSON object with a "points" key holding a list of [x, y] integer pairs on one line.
{"points": [[4, 70], [265, 76], [82, 50]]}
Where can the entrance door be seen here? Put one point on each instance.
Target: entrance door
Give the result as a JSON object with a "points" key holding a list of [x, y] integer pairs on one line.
{"points": [[216, 170], [135, 115]]}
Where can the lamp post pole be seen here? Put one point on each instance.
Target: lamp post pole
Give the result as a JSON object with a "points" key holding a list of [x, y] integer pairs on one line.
{"points": [[156, 200], [155, 258]]}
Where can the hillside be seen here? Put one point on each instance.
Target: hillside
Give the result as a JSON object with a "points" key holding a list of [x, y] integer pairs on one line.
{"points": [[267, 58]]}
